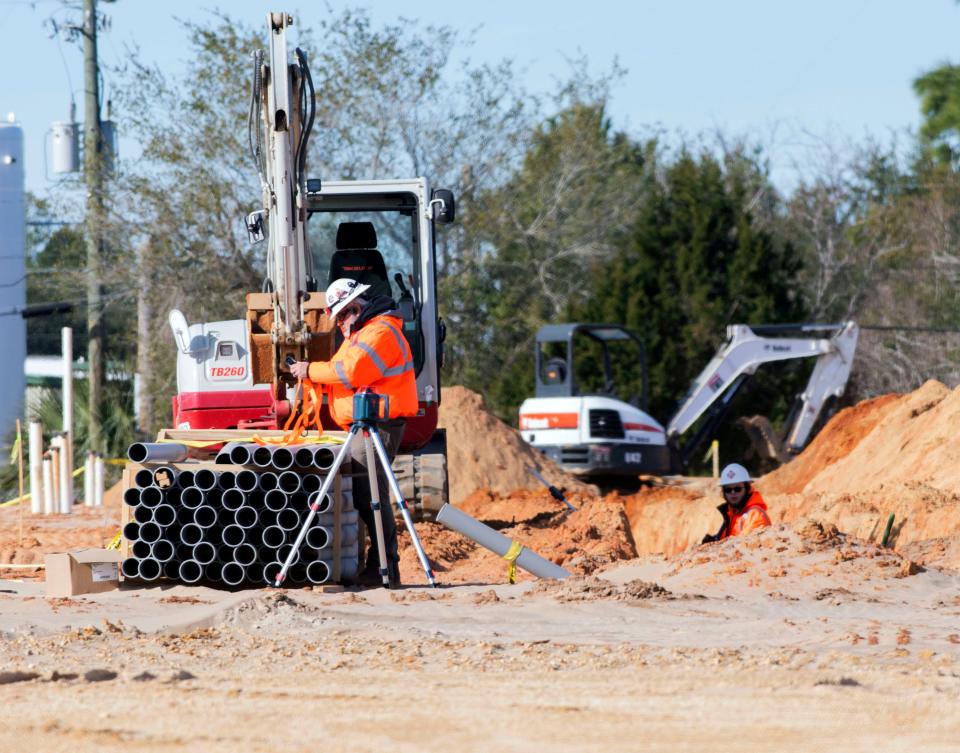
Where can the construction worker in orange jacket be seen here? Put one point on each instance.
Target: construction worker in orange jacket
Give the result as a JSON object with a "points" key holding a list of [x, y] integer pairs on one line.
{"points": [[743, 509], [374, 354]]}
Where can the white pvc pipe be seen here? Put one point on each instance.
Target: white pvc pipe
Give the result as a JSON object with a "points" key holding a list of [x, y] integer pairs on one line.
{"points": [[49, 501], [98, 482], [496, 542], [66, 457], [36, 467], [88, 480], [54, 453], [66, 500]]}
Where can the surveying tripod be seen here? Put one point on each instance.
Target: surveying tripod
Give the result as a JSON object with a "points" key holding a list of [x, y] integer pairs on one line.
{"points": [[366, 417]]}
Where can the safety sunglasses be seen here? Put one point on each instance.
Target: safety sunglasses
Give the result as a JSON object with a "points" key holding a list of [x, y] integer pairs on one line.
{"points": [[733, 489]]}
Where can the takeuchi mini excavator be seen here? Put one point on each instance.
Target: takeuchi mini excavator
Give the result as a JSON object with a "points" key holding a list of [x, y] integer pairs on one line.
{"points": [[233, 374], [595, 433]]}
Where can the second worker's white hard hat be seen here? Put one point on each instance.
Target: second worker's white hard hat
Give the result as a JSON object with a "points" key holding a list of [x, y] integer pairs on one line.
{"points": [[341, 292], [734, 474]]}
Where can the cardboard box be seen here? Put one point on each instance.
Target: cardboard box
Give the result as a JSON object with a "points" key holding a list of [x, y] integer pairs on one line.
{"points": [[85, 571]]}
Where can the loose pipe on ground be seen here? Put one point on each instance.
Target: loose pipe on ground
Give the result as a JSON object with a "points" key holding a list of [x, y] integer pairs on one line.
{"points": [[459, 521]]}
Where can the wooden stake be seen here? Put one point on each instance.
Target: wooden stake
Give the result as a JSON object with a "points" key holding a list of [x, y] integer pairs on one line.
{"points": [[20, 473]]}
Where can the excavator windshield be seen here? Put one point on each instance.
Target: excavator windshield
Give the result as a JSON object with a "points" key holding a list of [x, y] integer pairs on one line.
{"points": [[373, 238]]}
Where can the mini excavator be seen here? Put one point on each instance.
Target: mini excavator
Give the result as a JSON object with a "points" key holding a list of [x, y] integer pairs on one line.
{"points": [[594, 433], [234, 374]]}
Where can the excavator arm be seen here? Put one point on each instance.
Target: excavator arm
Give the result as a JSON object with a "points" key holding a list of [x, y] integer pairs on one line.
{"points": [[747, 348]]}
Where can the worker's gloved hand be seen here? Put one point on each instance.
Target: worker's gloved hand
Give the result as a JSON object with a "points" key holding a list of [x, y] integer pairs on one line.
{"points": [[299, 369], [708, 538]]}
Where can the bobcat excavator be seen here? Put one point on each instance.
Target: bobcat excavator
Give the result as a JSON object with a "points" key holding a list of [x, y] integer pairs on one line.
{"points": [[233, 374], [595, 434]]}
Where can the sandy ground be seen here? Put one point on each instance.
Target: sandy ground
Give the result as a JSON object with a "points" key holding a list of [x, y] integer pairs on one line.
{"points": [[779, 641]]}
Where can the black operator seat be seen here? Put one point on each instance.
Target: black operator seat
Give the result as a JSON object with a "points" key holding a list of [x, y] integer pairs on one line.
{"points": [[357, 257]]}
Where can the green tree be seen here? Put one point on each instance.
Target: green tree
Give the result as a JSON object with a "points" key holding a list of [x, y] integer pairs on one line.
{"points": [[939, 92]]}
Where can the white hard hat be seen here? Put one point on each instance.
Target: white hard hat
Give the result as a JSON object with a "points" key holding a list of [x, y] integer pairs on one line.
{"points": [[341, 292], [734, 474]]}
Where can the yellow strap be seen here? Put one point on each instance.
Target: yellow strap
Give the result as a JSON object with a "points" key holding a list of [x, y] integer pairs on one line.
{"points": [[511, 556]]}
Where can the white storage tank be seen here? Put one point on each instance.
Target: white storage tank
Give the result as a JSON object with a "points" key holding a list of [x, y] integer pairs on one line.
{"points": [[13, 283]]}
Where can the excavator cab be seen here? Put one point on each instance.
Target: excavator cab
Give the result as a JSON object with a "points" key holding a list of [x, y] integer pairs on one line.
{"points": [[582, 359]]}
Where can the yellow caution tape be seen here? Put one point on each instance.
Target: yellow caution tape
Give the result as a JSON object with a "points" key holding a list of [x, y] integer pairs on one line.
{"points": [[511, 556], [115, 541]]}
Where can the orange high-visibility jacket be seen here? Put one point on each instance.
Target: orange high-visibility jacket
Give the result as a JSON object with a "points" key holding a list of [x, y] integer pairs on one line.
{"points": [[750, 518], [377, 356]]}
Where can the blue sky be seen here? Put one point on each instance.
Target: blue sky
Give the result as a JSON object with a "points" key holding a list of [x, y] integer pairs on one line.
{"points": [[785, 74]]}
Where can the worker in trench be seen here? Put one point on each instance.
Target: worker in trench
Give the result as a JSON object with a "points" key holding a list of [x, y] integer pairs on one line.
{"points": [[374, 354], [743, 508]]}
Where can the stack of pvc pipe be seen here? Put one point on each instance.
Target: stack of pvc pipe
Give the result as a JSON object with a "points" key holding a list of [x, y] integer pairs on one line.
{"points": [[229, 526]]}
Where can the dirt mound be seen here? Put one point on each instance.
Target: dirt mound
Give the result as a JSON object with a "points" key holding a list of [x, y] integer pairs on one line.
{"points": [[584, 541], [837, 440], [483, 452], [589, 588]]}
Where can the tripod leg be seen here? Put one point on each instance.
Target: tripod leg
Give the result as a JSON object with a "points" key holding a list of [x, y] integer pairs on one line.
{"points": [[402, 504], [375, 504], [325, 487]]}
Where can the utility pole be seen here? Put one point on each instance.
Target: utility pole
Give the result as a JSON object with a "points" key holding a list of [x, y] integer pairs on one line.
{"points": [[93, 176]]}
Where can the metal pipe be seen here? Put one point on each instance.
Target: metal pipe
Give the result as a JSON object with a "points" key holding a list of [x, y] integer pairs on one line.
{"points": [[150, 532], [323, 457], [496, 542], [275, 500], [204, 479], [143, 514], [131, 496], [140, 549], [234, 535], [246, 517], [226, 480], [246, 481], [239, 453], [233, 499], [233, 574], [164, 515], [289, 482], [274, 537], [318, 571], [320, 537], [149, 569], [162, 551], [157, 452], [143, 478], [151, 496], [282, 458], [213, 571], [303, 456], [288, 519], [191, 534], [271, 571], [192, 497], [131, 531], [267, 481], [311, 482], [130, 567], [245, 554], [204, 553], [321, 504], [262, 457], [190, 571], [205, 516], [165, 477]]}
